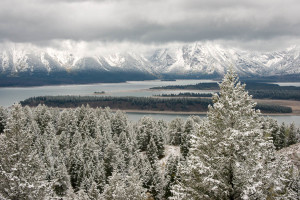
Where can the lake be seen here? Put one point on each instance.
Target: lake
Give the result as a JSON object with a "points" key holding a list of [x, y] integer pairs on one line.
{"points": [[10, 95]]}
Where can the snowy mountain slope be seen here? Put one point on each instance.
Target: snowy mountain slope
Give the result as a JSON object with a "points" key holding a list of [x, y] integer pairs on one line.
{"points": [[210, 58], [189, 59], [13, 62]]}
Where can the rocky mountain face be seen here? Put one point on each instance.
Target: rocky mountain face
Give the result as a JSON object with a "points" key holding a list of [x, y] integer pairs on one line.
{"points": [[210, 59], [190, 60]]}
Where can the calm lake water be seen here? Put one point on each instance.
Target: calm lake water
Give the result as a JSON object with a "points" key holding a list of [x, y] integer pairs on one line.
{"points": [[10, 95]]}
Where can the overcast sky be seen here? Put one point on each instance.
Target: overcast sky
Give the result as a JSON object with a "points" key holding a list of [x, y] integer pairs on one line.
{"points": [[248, 24]]}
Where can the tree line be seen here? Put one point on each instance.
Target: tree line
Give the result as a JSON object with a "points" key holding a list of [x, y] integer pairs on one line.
{"points": [[256, 89], [139, 103]]}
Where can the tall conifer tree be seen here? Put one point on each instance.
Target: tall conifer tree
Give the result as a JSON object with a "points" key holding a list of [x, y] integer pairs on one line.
{"points": [[231, 157]]}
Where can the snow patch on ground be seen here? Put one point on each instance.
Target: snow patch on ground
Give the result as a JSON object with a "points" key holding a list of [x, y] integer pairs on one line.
{"points": [[169, 151]]}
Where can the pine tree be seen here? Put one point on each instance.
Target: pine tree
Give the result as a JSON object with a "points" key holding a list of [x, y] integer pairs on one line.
{"points": [[116, 188], [282, 135], [175, 131], [3, 118], [152, 152], [231, 157], [119, 122], [274, 128], [134, 189], [42, 116], [21, 171], [93, 192], [170, 175], [56, 172], [185, 137], [75, 166], [145, 127], [157, 135], [292, 136]]}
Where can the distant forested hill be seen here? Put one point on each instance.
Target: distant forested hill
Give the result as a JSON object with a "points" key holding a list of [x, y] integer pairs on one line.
{"points": [[139, 103], [257, 89]]}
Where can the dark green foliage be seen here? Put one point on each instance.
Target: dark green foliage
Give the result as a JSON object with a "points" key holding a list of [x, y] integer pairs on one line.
{"points": [[149, 130], [175, 131], [118, 123], [170, 175], [3, 118], [276, 94], [257, 89], [139, 103], [285, 135], [199, 86], [186, 94], [152, 152], [186, 136], [292, 135], [269, 108]]}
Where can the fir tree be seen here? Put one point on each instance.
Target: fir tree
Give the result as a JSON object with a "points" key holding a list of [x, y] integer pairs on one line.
{"points": [[119, 123], [292, 135], [185, 137], [42, 116], [152, 152], [21, 171], [282, 135], [170, 175], [3, 118], [123, 186], [175, 131], [231, 157]]}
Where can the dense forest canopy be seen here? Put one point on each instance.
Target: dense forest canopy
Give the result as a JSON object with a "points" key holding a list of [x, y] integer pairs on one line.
{"points": [[139, 103], [93, 153]]}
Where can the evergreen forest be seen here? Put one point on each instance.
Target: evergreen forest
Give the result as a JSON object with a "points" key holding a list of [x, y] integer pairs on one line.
{"points": [[87, 153]]}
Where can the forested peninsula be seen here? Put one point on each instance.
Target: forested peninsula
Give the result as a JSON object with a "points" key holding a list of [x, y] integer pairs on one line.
{"points": [[139, 103], [257, 89]]}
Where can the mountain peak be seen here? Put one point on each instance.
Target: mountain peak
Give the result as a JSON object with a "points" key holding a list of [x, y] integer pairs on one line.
{"points": [[198, 58]]}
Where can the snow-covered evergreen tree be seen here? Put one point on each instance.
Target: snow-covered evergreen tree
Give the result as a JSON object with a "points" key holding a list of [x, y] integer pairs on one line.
{"points": [[42, 116], [186, 136], [231, 157], [3, 118], [175, 131], [292, 136], [119, 123], [152, 152], [281, 137], [170, 175], [21, 171]]}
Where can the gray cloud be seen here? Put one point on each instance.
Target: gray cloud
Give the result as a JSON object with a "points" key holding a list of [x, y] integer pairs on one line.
{"points": [[148, 22]]}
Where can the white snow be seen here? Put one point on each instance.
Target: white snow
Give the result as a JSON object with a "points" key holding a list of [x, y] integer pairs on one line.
{"points": [[169, 151], [205, 58]]}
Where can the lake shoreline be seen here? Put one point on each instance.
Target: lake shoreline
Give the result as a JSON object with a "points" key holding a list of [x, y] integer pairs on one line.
{"points": [[191, 112]]}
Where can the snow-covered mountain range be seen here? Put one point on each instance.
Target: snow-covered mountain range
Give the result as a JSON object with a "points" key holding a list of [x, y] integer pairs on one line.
{"points": [[210, 58], [186, 60]]}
